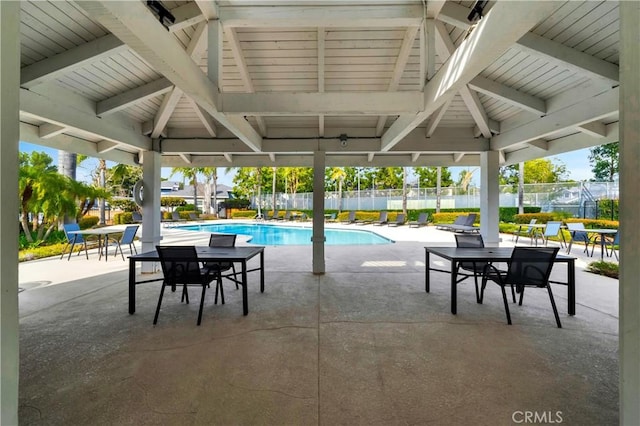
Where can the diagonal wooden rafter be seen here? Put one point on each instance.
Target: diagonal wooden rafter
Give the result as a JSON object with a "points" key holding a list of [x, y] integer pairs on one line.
{"points": [[566, 57], [195, 50], [496, 32], [436, 117], [445, 49], [132, 23], [186, 15], [401, 62], [204, 117], [69, 60], [508, 95], [133, 96], [236, 50]]}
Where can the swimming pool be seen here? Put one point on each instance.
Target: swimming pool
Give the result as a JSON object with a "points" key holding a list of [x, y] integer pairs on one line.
{"points": [[281, 235]]}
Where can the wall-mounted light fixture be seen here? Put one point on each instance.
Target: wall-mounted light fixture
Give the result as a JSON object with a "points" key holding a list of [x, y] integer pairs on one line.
{"points": [[343, 140], [165, 17]]}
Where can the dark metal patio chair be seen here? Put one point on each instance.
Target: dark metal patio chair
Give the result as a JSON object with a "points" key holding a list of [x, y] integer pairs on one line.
{"points": [[528, 267], [181, 268], [476, 268], [220, 268]]}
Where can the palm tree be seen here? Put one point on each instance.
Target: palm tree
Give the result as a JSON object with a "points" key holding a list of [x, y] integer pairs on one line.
{"points": [[191, 174], [273, 188], [211, 186], [404, 190], [338, 174]]}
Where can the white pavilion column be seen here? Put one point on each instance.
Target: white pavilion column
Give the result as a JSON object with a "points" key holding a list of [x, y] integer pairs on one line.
{"points": [[629, 291], [490, 198], [318, 212], [151, 235], [9, 137]]}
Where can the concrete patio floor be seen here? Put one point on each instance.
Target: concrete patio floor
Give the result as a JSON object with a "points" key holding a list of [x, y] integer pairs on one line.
{"points": [[361, 344]]}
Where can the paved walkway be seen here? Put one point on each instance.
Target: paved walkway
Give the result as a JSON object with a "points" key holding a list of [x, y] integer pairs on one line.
{"points": [[361, 344]]}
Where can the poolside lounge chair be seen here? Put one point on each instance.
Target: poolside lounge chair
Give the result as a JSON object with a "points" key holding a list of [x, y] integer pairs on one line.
{"points": [[467, 226], [400, 219], [422, 221], [274, 216], [287, 216], [175, 217], [382, 219], [350, 219], [460, 220], [194, 216]]}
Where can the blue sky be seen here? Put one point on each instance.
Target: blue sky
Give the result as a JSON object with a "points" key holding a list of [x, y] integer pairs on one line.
{"points": [[576, 162]]}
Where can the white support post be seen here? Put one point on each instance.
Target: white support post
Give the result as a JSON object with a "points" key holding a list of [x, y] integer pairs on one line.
{"points": [[318, 212], [9, 137], [629, 292], [151, 237], [490, 197]]}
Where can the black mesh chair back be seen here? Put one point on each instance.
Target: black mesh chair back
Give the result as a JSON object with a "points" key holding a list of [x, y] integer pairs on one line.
{"points": [[528, 267], [223, 240], [181, 268], [471, 241], [470, 219]]}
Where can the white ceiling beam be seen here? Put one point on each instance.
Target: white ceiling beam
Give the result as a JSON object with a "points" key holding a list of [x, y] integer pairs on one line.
{"points": [[187, 15], [321, 47], [415, 156], [565, 144], [370, 156], [434, 7], [48, 130], [133, 96], [569, 58], [106, 146], [455, 14], [429, 56], [496, 32], [540, 144], [373, 16], [186, 158], [272, 157], [501, 157], [552, 51], [209, 9], [241, 64], [332, 160], [444, 140], [328, 103], [398, 69], [228, 157], [509, 95], [596, 108], [69, 60], [195, 49], [30, 133], [445, 49], [206, 120], [595, 128], [64, 115], [457, 157], [436, 117], [132, 23]]}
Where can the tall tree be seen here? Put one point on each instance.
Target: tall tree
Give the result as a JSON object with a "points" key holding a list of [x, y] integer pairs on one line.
{"points": [[428, 176], [338, 174], [210, 189], [191, 174], [605, 161], [274, 180], [404, 190], [540, 170]]}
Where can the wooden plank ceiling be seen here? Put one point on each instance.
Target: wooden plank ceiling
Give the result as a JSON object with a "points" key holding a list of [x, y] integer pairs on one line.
{"points": [[371, 83]]}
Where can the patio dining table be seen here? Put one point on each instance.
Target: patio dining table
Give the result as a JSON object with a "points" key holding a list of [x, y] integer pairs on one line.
{"points": [[205, 254], [602, 233], [457, 255], [102, 234]]}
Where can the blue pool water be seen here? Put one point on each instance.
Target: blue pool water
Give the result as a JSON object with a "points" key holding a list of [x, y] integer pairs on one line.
{"points": [[278, 235]]}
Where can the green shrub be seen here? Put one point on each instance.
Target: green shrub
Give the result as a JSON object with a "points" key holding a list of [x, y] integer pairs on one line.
{"points": [[88, 221], [190, 208], [122, 218], [124, 204], [451, 217], [507, 214], [244, 214], [540, 217], [208, 216], [236, 203], [601, 267], [172, 201], [609, 209]]}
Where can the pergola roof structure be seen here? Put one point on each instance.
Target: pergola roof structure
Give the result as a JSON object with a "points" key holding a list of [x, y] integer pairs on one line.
{"points": [[370, 83]]}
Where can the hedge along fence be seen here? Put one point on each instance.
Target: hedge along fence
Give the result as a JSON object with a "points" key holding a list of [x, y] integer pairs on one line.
{"points": [[451, 217], [540, 217], [244, 214], [595, 223]]}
